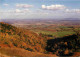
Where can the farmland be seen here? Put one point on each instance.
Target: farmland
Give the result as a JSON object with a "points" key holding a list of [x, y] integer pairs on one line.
{"points": [[53, 37]]}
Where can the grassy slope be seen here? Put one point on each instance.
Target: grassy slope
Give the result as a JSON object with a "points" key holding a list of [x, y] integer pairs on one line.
{"points": [[3, 55], [18, 52]]}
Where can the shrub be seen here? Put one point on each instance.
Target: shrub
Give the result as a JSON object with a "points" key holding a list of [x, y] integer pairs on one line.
{"points": [[29, 49]]}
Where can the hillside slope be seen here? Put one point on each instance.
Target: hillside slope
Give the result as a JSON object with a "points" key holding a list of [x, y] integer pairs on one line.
{"points": [[18, 52], [11, 36], [22, 42]]}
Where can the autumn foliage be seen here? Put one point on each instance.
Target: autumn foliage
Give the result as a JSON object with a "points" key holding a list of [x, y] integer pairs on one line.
{"points": [[15, 37], [11, 36]]}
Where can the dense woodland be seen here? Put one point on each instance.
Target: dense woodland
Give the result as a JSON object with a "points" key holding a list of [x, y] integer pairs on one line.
{"points": [[11, 36]]}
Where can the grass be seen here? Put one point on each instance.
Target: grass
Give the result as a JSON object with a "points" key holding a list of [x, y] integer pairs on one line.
{"points": [[56, 34], [18, 52], [64, 33]]}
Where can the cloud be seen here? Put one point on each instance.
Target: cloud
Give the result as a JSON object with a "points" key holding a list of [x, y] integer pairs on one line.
{"points": [[6, 4], [43, 6], [17, 10], [37, 14], [73, 10], [22, 11], [24, 5], [16, 13], [53, 7]]}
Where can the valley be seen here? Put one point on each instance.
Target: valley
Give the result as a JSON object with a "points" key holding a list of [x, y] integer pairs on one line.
{"points": [[46, 37]]}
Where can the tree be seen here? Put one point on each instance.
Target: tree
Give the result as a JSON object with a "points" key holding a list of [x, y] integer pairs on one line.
{"points": [[76, 29]]}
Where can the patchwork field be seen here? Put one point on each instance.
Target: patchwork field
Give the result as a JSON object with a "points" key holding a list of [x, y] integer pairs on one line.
{"points": [[40, 38]]}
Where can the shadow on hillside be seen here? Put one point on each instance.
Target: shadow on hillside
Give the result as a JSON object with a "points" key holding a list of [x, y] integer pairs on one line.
{"points": [[62, 46]]}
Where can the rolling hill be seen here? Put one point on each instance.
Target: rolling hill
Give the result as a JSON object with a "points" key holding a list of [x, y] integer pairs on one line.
{"points": [[22, 42]]}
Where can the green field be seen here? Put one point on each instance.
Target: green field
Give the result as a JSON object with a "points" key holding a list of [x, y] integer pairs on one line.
{"points": [[56, 34]]}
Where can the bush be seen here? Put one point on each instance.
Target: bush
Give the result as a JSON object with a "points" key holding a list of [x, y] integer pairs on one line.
{"points": [[5, 42], [29, 49], [15, 44]]}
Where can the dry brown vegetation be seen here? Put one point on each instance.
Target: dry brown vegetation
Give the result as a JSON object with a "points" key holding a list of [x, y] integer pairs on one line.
{"points": [[76, 54], [18, 52]]}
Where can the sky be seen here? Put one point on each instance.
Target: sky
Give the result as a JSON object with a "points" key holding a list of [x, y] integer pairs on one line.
{"points": [[39, 9]]}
